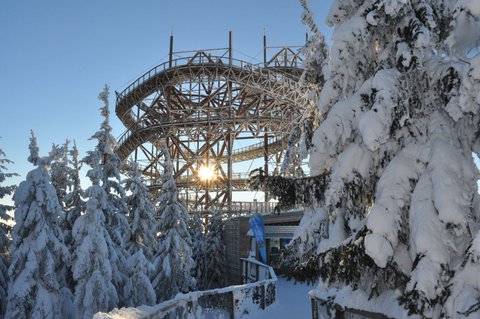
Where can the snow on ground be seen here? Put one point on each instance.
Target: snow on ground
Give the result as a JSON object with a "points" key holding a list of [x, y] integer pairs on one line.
{"points": [[292, 302]]}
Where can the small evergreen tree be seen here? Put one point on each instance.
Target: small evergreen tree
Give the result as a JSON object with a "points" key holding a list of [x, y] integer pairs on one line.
{"points": [[174, 262], [95, 255], [37, 270], [60, 172], [141, 215], [195, 228], [214, 274], [138, 288], [74, 206], [116, 222], [5, 229], [74, 203]]}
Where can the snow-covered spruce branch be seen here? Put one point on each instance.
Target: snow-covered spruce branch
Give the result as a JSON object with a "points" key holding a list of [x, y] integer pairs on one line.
{"points": [[401, 114], [290, 192]]}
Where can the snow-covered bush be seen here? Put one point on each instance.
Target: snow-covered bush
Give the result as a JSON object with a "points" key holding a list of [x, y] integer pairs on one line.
{"points": [[401, 117]]}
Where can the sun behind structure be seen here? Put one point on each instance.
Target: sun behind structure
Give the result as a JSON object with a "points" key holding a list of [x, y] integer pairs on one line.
{"points": [[206, 173]]}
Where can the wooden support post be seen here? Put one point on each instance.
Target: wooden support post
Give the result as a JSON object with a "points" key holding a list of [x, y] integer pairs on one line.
{"points": [[231, 306], [265, 158], [262, 297], [230, 52], [170, 54], [230, 170], [188, 183], [264, 48], [136, 149], [274, 293], [191, 307], [244, 272], [314, 308]]}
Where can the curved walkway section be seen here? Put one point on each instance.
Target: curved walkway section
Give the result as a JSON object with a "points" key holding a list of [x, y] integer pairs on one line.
{"points": [[279, 84], [272, 81]]}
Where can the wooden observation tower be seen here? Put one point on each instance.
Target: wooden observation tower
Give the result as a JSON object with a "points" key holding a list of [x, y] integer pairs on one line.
{"points": [[205, 104]]}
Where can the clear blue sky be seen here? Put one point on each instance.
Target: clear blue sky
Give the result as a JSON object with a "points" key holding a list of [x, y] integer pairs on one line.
{"points": [[56, 55]]}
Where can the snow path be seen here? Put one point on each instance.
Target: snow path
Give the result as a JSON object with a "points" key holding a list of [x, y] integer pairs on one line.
{"points": [[292, 302]]}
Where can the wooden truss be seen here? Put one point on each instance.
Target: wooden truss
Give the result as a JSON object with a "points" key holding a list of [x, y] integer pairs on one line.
{"points": [[202, 104]]}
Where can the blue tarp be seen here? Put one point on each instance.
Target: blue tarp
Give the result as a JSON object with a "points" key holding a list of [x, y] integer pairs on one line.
{"points": [[258, 229]]}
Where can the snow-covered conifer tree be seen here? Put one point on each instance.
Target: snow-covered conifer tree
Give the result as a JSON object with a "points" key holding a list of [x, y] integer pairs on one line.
{"points": [[138, 287], [74, 206], [195, 228], [60, 172], [115, 220], [315, 52], [74, 203], [95, 256], [214, 272], [5, 229], [39, 255], [174, 262], [399, 213], [142, 242], [141, 215]]}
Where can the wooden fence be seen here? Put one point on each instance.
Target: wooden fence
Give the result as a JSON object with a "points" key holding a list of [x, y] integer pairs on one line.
{"points": [[233, 302], [324, 309]]}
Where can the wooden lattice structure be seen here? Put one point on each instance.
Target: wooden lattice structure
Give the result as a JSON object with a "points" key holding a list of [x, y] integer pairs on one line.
{"points": [[203, 102]]}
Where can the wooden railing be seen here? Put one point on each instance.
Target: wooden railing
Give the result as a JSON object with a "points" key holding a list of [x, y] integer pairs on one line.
{"points": [[200, 58], [233, 302], [252, 207], [321, 307]]}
